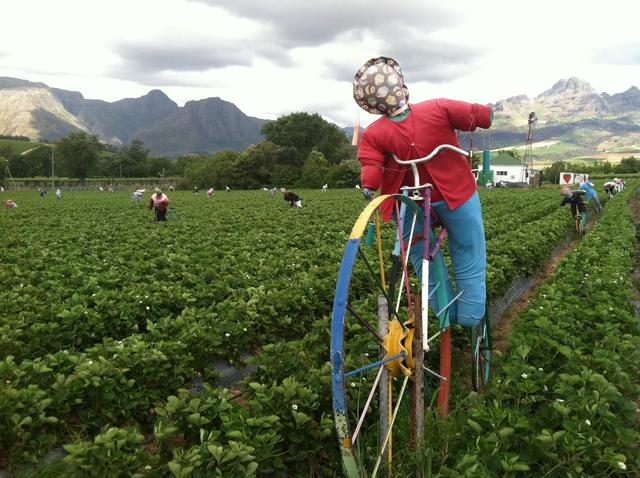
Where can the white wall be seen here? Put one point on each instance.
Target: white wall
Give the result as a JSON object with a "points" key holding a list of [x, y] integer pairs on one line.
{"points": [[508, 174]]}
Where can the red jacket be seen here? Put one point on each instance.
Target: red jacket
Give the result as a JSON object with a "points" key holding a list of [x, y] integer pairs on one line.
{"points": [[429, 124]]}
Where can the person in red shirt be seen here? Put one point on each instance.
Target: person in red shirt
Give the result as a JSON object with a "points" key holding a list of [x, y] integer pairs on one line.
{"points": [[160, 202], [413, 130]]}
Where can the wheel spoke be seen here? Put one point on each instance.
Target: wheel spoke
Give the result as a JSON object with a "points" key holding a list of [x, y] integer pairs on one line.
{"points": [[354, 437], [366, 324], [371, 271], [393, 419], [375, 364]]}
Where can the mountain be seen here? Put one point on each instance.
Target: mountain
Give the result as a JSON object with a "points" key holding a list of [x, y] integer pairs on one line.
{"points": [[571, 113], [573, 120], [205, 126]]}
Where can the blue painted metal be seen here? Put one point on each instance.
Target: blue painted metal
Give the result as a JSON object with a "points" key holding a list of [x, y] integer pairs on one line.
{"points": [[375, 364], [337, 325]]}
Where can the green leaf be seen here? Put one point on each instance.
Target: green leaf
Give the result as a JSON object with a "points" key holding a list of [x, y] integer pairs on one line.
{"points": [[475, 425]]}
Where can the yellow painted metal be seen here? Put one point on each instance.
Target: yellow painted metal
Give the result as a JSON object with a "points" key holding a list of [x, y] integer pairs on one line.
{"points": [[393, 344], [363, 220], [380, 256]]}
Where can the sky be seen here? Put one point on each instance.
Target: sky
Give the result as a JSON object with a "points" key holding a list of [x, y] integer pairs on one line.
{"points": [[275, 58]]}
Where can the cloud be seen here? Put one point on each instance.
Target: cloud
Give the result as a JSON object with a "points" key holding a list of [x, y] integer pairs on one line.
{"points": [[625, 54], [296, 24], [172, 55]]}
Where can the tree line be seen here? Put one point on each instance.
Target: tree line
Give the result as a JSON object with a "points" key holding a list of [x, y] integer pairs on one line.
{"points": [[628, 165], [299, 150]]}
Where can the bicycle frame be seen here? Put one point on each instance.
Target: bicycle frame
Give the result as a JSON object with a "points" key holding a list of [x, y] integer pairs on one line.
{"points": [[427, 254]]}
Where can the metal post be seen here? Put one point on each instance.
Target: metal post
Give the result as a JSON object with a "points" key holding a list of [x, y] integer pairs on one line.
{"points": [[383, 386], [419, 377]]}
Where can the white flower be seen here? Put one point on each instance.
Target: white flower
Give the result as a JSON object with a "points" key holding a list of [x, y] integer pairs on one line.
{"points": [[525, 376], [294, 406], [621, 465], [148, 467], [559, 400], [227, 334], [588, 422], [540, 369], [244, 329], [366, 354], [148, 308], [353, 384]]}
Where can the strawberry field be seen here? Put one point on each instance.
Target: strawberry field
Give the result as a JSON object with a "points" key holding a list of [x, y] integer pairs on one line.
{"points": [[110, 323]]}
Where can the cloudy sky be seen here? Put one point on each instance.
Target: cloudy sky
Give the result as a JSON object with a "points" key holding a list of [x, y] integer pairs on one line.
{"points": [[273, 58]]}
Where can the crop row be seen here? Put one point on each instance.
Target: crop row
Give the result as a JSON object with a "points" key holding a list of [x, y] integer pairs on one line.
{"points": [[564, 398], [109, 315]]}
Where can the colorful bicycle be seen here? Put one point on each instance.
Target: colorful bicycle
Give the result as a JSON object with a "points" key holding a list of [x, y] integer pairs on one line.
{"points": [[391, 339]]}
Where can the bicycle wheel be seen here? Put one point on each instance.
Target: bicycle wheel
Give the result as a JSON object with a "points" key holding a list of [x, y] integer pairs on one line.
{"points": [[373, 283], [582, 223], [481, 346]]}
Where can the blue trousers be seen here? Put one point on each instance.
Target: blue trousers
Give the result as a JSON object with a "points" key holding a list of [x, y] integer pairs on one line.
{"points": [[467, 248]]}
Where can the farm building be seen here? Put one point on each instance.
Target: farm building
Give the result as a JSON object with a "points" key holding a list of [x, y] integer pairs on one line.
{"points": [[506, 168]]}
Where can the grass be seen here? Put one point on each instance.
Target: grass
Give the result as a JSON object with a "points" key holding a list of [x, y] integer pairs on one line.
{"points": [[18, 147]]}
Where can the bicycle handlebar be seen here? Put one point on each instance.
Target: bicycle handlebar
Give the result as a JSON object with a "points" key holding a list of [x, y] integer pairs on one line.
{"points": [[432, 154], [414, 162]]}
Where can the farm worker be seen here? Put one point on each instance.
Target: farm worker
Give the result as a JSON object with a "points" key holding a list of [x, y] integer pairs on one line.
{"points": [[619, 184], [42, 192], [171, 188], [210, 193], [137, 194], [610, 189], [325, 188], [160, 202], [575, 199], [195, 190], [58, 194], [227, 188], [292, 198], [10, 204], [411, 131], [588, 187]]}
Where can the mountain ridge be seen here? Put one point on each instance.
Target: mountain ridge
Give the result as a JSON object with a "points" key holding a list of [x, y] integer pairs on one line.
{"points": [[200, 126], [571, 111]]}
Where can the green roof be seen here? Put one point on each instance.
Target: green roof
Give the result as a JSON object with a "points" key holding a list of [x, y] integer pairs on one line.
{"points": [[504, 159]]}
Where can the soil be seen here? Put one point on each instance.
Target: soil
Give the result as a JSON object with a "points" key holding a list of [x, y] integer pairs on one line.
{"points": [[501, 333]]}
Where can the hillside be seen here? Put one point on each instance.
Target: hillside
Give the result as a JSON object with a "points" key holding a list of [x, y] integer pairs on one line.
{"points": [[205, 126], [574, 113], [571, 112]]}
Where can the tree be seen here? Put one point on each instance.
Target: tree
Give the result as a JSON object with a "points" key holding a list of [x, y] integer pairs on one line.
{"points": [[346, 174], [253, 167], [207, 171], [78, 153], [628, 165], [316, 170], [306, 132], [552, 173], [134, 158]]}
